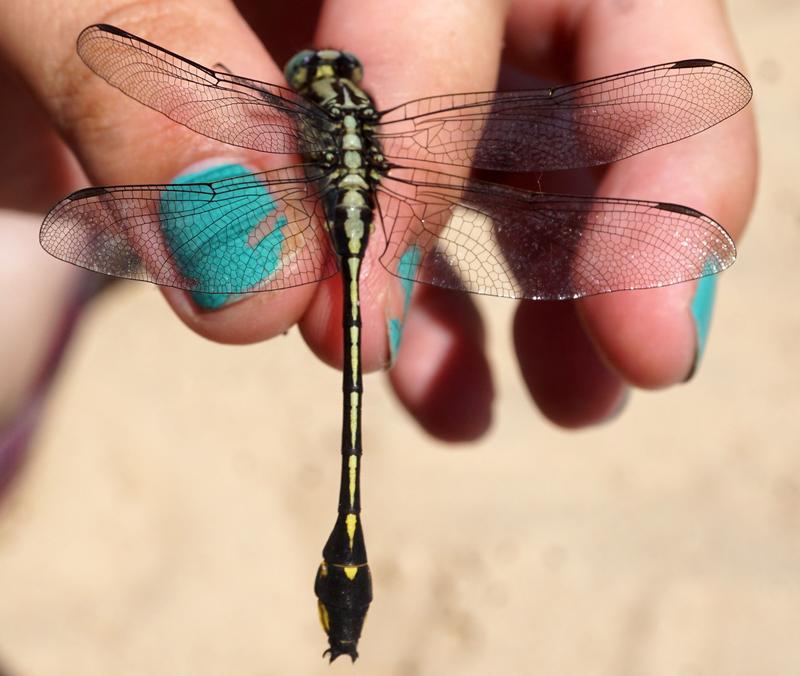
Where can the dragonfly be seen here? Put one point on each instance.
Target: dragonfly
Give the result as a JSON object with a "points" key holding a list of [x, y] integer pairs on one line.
{"points": [[304, 223]]}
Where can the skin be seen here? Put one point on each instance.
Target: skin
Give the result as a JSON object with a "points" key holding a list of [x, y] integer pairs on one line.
{"points": [[577, 358]]}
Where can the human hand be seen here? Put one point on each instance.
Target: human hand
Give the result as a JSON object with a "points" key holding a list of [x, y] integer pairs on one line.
{"points": [[576, 357]]}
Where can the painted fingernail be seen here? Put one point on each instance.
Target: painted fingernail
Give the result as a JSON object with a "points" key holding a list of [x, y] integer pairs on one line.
{"points": [[214, 233], [702, 309], [407, 270]]}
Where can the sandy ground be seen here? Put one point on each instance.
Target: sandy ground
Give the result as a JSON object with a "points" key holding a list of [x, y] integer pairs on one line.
{"points": [[171, 518]]}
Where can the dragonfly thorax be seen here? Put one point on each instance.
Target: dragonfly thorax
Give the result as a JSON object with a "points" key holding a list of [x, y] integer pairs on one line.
{"points": [[354, 161]]}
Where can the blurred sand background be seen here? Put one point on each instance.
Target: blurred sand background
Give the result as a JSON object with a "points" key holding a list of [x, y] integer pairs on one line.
{"points": [[171, 518]]}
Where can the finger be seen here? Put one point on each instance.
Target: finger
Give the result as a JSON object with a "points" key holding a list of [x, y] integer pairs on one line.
{"points": [[402, 62], [442, 376], [566, 376], [120, 141], [285, 28], [36, 165], [652, 338]]}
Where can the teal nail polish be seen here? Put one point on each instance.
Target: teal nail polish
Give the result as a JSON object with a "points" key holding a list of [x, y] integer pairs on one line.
{"points": [[210, 231], [395, 334], [702, 308], [406, 269]]}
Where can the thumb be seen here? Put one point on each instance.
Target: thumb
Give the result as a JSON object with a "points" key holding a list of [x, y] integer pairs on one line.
{"points": [[120, 141]]}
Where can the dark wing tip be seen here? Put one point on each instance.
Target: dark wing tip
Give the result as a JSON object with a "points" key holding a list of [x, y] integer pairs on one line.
{"points": [[57, 209], [108, 28], [95, 31], [87, 192], [679, 209], [694, 63], [54, 213], [693, 213], [705, 63], [137, 43], [101, 28]]}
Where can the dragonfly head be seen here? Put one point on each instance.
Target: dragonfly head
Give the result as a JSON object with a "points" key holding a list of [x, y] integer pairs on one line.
{"points": [[309, 65]]}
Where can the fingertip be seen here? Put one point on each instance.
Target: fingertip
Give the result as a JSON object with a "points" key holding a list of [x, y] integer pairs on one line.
{"points": [[321, 325], [648, 337], [250, 318], [456, 406], [565, 375], [442, 376]]}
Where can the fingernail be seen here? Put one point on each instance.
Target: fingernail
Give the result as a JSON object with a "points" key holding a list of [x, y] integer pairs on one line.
{"points": [[216, 242], [702, 309], [407, 270]]}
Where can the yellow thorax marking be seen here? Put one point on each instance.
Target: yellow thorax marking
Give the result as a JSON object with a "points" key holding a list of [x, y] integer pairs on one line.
{"points": [[351, 572]]}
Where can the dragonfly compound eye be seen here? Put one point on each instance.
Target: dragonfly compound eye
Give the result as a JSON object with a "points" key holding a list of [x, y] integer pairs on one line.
{"points": [[349, 67], [300, 68]]}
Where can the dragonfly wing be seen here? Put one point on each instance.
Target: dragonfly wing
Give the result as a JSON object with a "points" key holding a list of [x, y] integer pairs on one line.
{"points": [[580, 125], [258, 232], [225, 107], [504, 241]]}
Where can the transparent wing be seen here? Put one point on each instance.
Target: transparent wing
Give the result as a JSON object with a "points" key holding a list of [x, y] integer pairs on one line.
{"points": [[258, 232], [503, 241], [580, 125], [219, 105]]}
